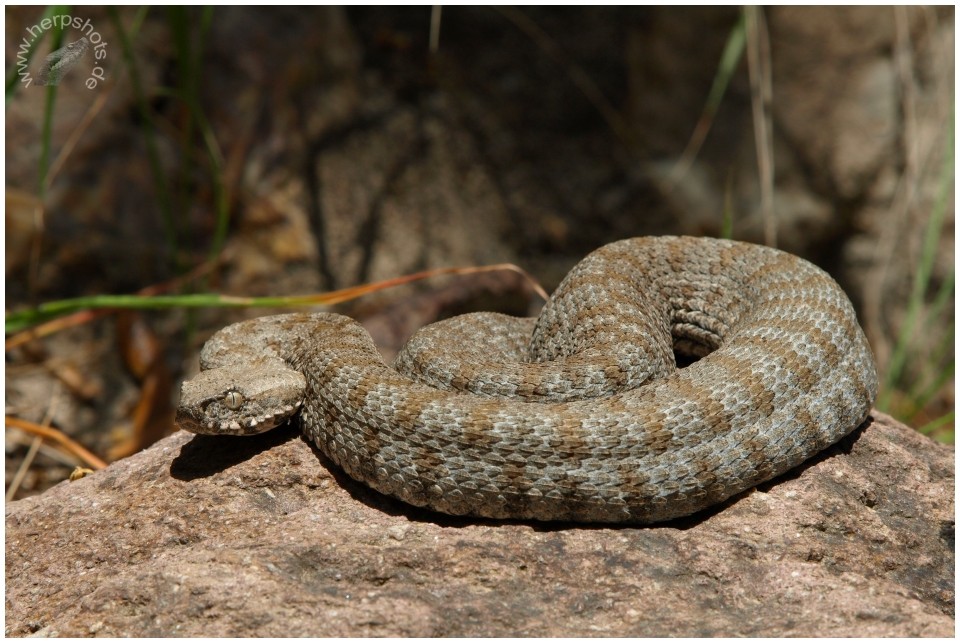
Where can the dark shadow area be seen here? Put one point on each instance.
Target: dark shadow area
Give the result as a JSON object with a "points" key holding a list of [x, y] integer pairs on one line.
{"points": [[842, 447], [390, 506], [393, 507], [206, 455]]}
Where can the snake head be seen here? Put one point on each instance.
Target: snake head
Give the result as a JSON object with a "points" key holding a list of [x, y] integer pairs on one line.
{"points": [[240, 401]]}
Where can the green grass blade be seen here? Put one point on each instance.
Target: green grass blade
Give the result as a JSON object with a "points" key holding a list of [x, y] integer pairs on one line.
{"points": [[164, 200], [933, 425], [46, 136], [13, 78], [923, 275], [729, 61], [21, 320]]}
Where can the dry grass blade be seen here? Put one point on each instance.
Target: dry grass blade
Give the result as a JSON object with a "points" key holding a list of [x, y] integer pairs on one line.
{"points": [[904, 195], [761, 92], [58, 437], [75, 135], [577, 75], [346, 294], [23, 468], [435, 14]]}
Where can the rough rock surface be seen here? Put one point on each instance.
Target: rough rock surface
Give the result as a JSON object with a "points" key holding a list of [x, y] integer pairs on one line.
{"points": [[260, 537]]}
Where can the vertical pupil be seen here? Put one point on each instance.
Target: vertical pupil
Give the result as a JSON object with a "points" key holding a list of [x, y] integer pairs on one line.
{"points": [[233, 400]]}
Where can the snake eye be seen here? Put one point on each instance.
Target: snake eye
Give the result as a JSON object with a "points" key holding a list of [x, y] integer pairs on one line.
{"points": [[233, 400]]}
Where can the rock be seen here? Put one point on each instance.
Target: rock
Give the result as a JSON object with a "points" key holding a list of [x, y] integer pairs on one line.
{"points": [[260, 536]]}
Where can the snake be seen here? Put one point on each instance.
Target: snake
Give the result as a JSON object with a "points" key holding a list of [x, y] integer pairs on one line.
{"points": [[663, 376]]}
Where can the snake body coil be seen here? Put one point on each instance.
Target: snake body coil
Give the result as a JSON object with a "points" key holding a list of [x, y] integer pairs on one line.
{"points": [[581, 414]]}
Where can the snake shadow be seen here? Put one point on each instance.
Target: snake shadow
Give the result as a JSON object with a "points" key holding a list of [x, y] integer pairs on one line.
{"points": [[842, 447], [392, 507], [205, 455]]}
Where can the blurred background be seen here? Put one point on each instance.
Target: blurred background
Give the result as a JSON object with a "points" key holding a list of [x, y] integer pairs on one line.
{"points": [[280, 151]]}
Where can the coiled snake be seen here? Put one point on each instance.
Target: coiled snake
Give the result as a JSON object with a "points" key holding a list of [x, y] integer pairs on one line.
{"points": [[582, 413]]}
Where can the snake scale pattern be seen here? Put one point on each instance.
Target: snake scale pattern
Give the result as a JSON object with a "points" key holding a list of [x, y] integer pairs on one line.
{"points": [[581, 414]]}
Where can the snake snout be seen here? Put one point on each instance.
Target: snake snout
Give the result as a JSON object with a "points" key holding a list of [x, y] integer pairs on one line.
{"points": [[235, 402]]}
